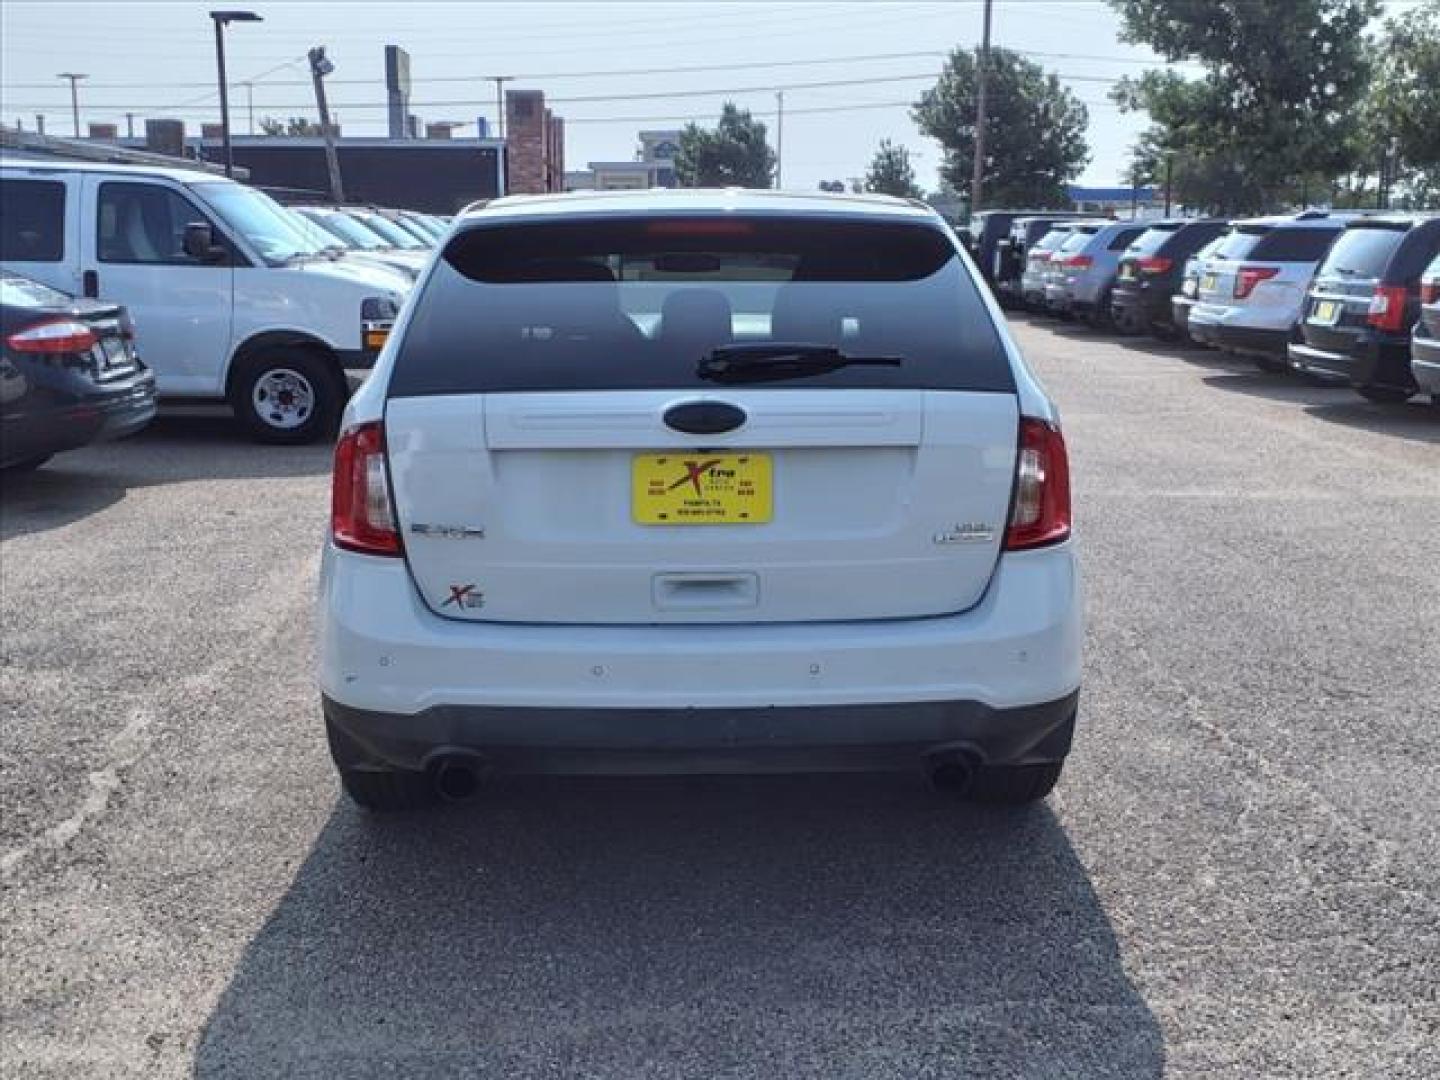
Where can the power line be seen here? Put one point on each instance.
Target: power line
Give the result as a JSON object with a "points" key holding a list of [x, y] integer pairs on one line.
{"points": [[717, 91]]}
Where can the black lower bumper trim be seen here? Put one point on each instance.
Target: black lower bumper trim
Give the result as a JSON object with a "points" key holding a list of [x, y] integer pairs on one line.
{"points": [[819, 738]]}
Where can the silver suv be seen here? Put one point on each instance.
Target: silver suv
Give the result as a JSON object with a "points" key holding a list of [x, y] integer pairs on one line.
{"points": [[1084, 268]]}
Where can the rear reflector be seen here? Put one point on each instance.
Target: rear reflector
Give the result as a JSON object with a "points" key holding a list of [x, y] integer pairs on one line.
{"points": [[1387, 308], [1040, 513], [361, 516], [1250, 276], [54, 337]]}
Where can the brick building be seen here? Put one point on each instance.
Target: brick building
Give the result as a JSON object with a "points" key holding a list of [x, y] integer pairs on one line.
{"points": [[535, 144]]}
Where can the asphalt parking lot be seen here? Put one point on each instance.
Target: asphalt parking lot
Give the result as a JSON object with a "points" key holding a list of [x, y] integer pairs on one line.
{"points": [[1237, 876]]}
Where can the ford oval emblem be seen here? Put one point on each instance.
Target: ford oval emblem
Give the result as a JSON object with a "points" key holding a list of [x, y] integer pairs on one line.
{"points": [[704, 417]]}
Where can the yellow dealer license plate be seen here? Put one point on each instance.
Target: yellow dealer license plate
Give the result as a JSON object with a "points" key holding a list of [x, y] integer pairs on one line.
{"points": [[700, 489], [1209, 282], [1326, 312]]}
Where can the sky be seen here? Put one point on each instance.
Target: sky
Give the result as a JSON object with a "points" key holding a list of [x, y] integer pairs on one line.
{"points": [[847, 70]]}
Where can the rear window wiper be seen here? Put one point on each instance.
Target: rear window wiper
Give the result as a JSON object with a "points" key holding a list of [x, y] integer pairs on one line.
{"points": [[774, 361]]}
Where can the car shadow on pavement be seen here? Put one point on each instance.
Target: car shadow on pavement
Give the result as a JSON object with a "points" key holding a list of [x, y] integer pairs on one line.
{"points": [[767, 926], [74, 485], [1416, 420]]}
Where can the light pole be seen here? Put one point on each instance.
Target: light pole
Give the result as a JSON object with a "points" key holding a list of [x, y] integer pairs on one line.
{"points": [[222, 19], [982, 75], [74, 97]]}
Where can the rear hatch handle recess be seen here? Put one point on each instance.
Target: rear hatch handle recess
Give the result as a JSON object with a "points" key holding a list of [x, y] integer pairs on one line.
{"points": [[775, 361]]}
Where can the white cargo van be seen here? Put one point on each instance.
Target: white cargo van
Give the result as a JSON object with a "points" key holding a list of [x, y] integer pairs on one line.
{"points": [[231, 301]]}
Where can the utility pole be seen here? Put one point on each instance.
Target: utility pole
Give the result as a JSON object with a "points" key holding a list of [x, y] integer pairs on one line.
{"points": [[319, 68], [129, 125], [982, 75], [74, 97], [40, 123], [1169, 170], [222, 19], [779, 138], [250, 104], [500, 81]]}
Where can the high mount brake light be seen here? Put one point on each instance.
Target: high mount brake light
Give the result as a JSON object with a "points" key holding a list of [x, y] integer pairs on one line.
{"points": [[699, 227], [361, 516], [1040, 514]]}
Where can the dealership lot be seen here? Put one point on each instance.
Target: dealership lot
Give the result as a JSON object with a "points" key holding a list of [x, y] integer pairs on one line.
{"points": [[1236, 876]]}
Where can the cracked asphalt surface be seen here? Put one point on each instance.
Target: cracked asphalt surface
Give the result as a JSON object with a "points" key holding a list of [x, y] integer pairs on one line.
{"points": [[1238, 876]]}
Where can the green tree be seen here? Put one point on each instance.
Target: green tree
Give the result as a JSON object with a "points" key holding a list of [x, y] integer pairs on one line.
{"points": [[1034, 129], [891, 172], [1267, 122], [1398, 133], [733, 154]]}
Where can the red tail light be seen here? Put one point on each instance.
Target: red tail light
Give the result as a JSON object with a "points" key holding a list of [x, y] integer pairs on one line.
{"points": [[1250, 276], [361, 516], [1387, 308], [1082, 262], [52, 337], [1154, 264], [1040, 514], [1430, 292]]}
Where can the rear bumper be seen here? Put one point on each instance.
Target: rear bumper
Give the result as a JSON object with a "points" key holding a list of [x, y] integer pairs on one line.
{"points": [[1425, 363], [1373, 361], [405, 682], [1242, 339], [1141, 307], [69, 420], [802, 738]]}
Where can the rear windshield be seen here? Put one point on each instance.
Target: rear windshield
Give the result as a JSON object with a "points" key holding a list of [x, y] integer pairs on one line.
{"points": [[1239, 243], [1152, 239], [1051, 240], [1078, 240], [1294, 245], [21, 292], [1362, 252], [638, 303]]}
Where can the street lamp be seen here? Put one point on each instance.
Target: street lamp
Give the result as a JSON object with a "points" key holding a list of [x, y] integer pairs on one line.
{"points": [[222, 19], [74, 78]]}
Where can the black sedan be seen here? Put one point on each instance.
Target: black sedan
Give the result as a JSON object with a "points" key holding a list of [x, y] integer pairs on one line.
{"points": [[69, 373]]}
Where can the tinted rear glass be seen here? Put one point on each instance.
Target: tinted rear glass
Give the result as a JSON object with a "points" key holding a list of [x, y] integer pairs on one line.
{"points": [[1151, 240], [638, 303], [1123, 239], [1362, 252], [1238, 243], [1294, 245], [32, 220], [1078, 240]]}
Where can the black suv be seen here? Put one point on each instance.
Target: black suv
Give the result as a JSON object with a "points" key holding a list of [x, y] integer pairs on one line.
{"points": [[1365, 299], [1151, 271]]}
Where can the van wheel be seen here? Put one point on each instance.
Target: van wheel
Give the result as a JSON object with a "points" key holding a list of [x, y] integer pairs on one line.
{"points": [[288, 396], [372, 785], [1013, 785]]}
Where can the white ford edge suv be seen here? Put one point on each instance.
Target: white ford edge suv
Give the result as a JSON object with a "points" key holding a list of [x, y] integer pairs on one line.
{"points": [[699, 482]]}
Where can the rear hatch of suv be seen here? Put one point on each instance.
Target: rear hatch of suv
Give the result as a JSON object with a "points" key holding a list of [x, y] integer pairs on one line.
{"points": [[703, 418], [1265, 264], [1338, 307]]}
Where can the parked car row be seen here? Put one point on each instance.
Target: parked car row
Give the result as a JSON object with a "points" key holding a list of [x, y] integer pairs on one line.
{"points": [[1342, 296], [233, 297]]}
